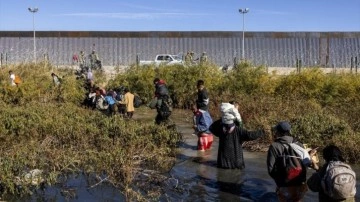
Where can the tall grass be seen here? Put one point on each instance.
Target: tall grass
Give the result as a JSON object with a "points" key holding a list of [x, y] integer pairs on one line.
{"points": [[44, 127]]}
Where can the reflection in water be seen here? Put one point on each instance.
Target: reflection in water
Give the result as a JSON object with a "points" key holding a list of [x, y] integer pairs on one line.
{"points": [[228, 184]]}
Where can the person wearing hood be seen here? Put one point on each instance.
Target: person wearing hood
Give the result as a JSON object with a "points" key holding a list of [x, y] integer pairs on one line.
{"points": [[295, 189], [160, 88], [230, 113], [163, 102]]}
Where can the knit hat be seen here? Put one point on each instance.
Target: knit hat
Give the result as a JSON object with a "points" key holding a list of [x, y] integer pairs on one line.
{"points": [[282, 127]]}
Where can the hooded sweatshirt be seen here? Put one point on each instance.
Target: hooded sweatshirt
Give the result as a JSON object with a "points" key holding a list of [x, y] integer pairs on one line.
{"points": [[161, 89], [276, 150], [229, 114]]}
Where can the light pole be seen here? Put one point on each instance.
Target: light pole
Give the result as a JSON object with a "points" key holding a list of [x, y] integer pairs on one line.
{"points": [[34, 10], [243, 11]]}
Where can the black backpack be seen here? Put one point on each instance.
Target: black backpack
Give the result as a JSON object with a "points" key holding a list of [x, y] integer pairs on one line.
{"points": [[290, 167], [137, 101]]}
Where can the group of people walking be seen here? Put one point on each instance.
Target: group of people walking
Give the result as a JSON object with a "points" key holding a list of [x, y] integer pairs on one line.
{"points": [[119, 100], [110, 101], [287, 159]]}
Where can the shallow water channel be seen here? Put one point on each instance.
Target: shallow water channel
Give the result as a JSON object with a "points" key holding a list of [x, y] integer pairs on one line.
{"points": [[198, 178], [197, 172]]}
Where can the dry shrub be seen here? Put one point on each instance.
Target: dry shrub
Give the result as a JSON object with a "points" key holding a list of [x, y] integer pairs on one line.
{"points": [[180, 80], [320, 106], [37, 85], [348, 144], [61, 137], [44, 127]]}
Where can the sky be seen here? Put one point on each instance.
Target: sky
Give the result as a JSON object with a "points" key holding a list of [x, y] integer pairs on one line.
{"points": [[180, 15]]}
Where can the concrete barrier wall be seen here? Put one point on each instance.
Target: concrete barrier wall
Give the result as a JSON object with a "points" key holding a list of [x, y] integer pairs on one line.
{"points": [[273, 49]]}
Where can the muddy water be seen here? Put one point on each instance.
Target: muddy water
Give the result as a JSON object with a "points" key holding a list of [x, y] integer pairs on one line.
{"points": [[201, 180], [195, 173]]}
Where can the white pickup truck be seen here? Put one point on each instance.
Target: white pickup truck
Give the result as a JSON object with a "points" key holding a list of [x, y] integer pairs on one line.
{"points": [[165, 59]]}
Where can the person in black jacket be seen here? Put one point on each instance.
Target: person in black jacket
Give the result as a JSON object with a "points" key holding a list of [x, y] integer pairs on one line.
{"points": [[202, 101], [162, 97], [231, 138], [295, 189]]}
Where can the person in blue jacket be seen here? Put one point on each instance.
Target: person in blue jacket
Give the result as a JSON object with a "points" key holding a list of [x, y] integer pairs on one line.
{"points": [[202, 122]]}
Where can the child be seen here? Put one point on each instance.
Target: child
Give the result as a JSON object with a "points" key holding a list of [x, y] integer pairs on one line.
{"points": [[230, 115], [202, 122]]}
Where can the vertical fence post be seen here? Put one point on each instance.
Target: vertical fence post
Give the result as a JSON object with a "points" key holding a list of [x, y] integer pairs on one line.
{"points": [[137, 59], [235, 62], [327, 61], [351, 64], [267, 67], [6, 58], [1, 59], [356, 64], [298, 65]]}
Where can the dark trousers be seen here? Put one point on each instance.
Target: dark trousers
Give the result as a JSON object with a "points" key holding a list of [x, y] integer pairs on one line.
{"points": [[111, 109], [161, 119], [129, 114], [122, 109]]}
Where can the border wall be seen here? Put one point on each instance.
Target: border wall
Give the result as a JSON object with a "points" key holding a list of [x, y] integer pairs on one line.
{"points": [[272, 49]]}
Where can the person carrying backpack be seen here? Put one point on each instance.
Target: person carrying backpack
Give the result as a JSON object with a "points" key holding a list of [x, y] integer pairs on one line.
{"points": [[163, 102], [335, 180], [285, 166]]}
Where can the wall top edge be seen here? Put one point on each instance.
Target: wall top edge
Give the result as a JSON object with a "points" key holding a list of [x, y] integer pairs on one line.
{"points": [[180, 34]]}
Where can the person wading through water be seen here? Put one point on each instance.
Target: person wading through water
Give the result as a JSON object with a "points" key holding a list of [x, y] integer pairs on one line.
{"points": [[286, 166], [335, 180], [231, 138], [162, 102]]}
